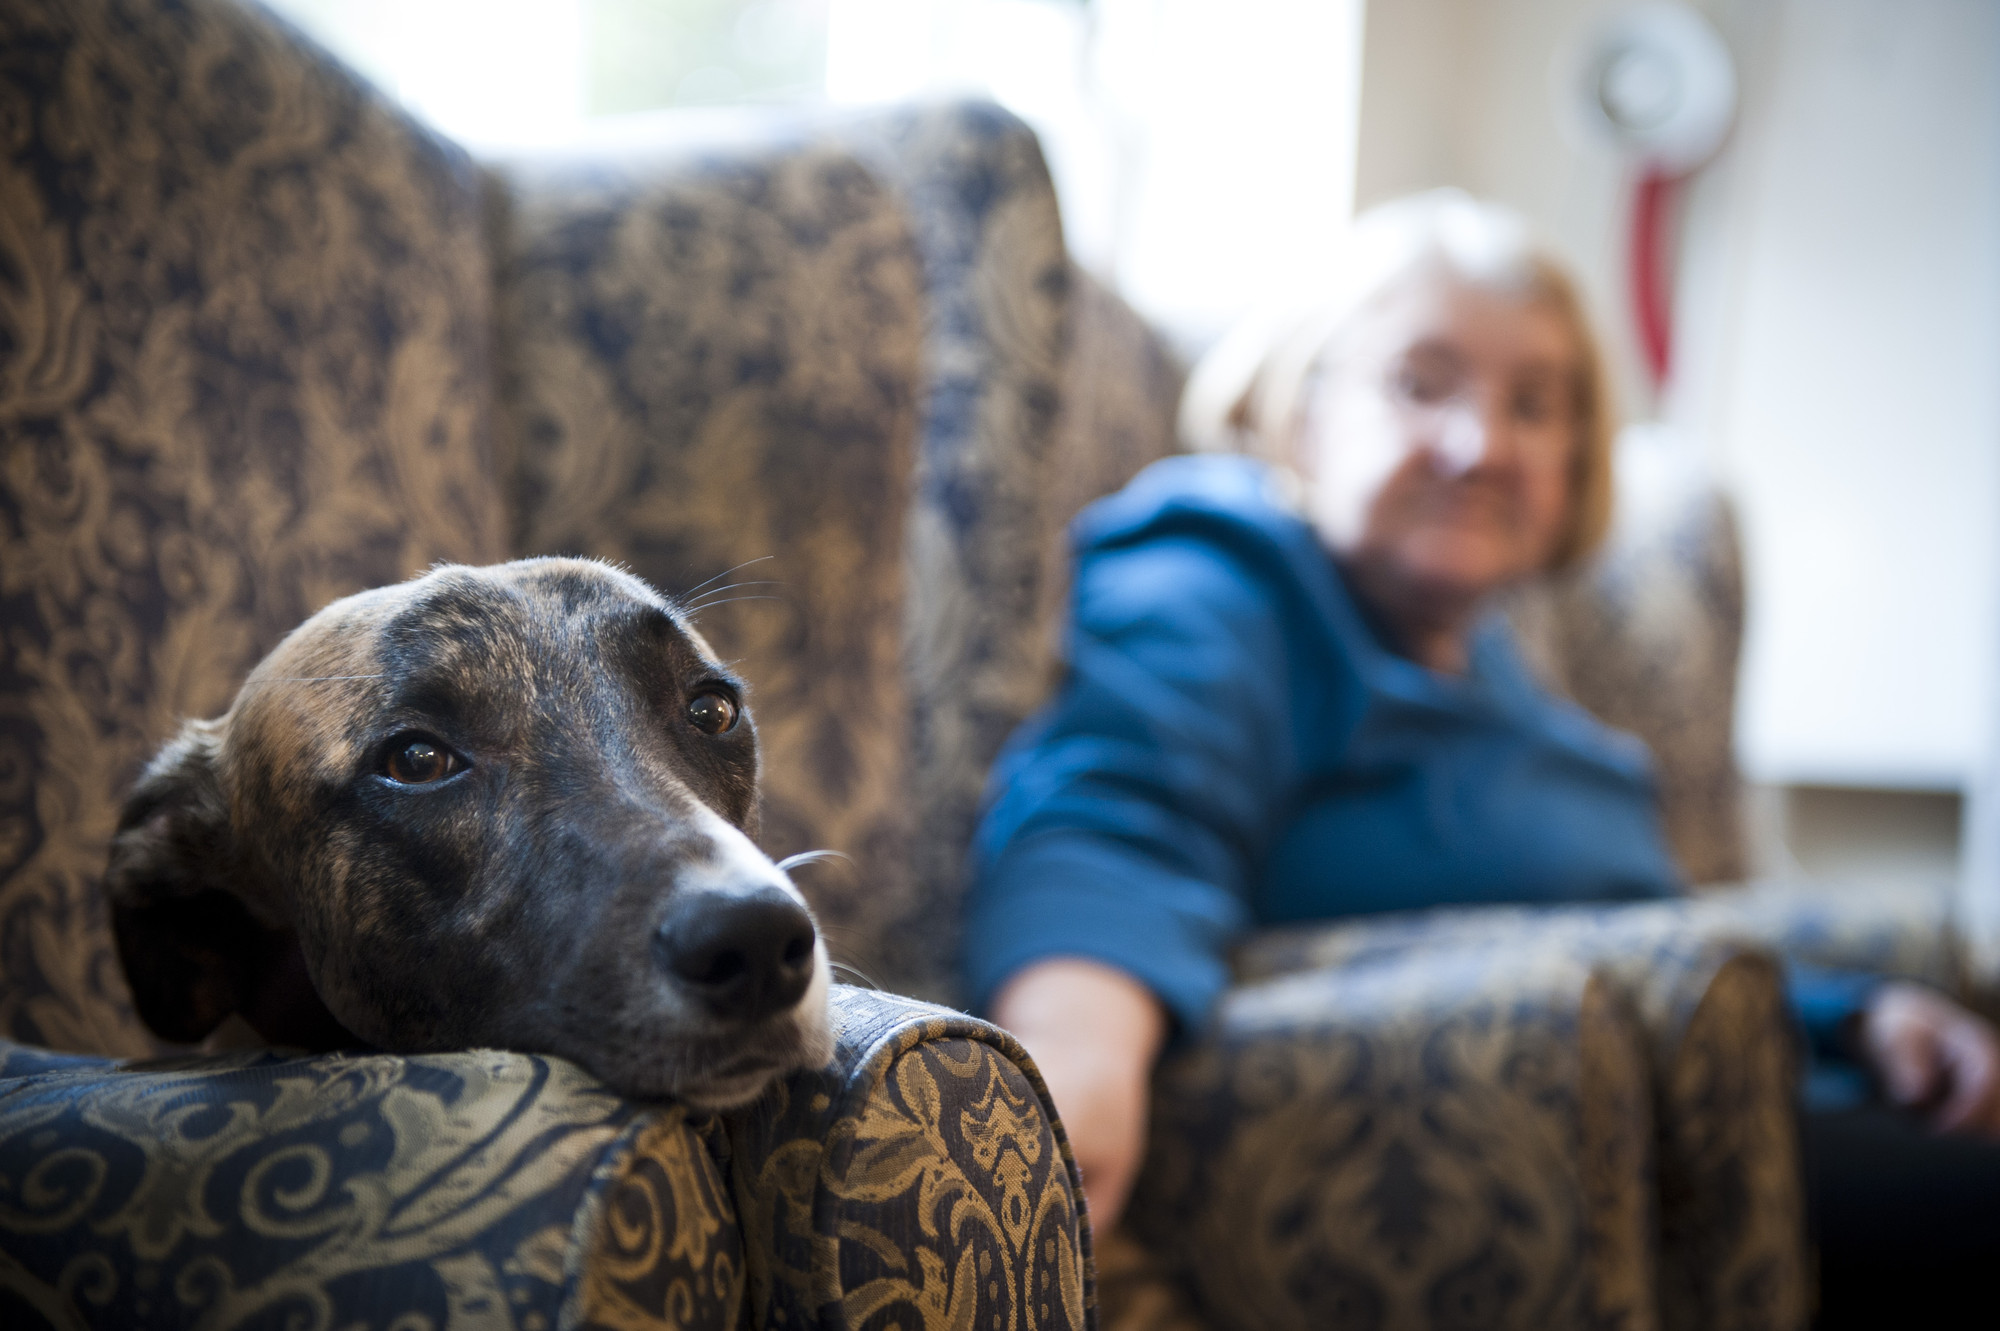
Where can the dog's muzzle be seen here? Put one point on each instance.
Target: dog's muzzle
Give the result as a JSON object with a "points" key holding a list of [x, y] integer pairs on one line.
{"points": [[743, 956]]}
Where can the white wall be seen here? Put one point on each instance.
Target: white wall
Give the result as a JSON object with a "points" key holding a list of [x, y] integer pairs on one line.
{"points": [[1859, 415], [1839, 333]]}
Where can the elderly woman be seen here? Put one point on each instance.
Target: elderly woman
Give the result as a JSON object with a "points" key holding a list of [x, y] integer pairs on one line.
{"points": [[1287, 700]]}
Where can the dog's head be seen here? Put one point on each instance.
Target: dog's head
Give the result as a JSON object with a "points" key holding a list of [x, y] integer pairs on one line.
{"points": [[504, 806]]}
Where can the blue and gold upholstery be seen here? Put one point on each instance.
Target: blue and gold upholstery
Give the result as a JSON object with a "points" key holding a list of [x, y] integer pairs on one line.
{"points": [[917, 1181], [712, 360], [1721, 1067], [920, 1180], [1464, 1141]]}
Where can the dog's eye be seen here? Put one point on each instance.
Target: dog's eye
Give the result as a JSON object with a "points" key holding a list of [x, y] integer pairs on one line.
{"points": [[418, 762], [712, 712]]}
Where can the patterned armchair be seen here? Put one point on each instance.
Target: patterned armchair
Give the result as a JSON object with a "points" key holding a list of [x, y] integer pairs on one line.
{"points": [[264, 342]]}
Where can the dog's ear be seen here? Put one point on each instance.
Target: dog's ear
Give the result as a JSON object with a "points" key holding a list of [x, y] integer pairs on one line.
{"points": [[186, 941]]}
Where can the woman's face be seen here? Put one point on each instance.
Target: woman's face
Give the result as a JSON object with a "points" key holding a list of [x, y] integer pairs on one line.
{"points": [[1438, 446]]}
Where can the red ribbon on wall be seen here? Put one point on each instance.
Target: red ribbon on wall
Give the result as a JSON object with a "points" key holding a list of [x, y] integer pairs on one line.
{"points": [[1652, 295]]}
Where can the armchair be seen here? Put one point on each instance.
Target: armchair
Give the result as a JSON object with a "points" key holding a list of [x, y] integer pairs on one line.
{"points": [[267, 342]]}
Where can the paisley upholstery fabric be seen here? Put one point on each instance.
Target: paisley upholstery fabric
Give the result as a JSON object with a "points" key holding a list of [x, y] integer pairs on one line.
{"points": [[711, 363], [979, 653], [1646, 638], [244, 370], [1461, 1139], [1121, 390], [1723, 1068], [482, 1189], [919, 1181]]}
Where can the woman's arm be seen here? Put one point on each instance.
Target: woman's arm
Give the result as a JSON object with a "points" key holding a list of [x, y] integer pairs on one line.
{"points": [[1122, 823], [1094, 1032], [1113, 860]]}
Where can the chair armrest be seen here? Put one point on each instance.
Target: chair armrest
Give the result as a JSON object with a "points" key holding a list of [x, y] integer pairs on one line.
{"points": [[922, 1173], [259, 1189], [1724, 1068], [1909, 932], [1457, 1133]]}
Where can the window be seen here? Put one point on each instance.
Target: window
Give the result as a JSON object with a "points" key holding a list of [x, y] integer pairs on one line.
{"points": [[1202, 152]]}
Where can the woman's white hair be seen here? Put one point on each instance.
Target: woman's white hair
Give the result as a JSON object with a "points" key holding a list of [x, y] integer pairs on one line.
{"points": [[1249, 393]]}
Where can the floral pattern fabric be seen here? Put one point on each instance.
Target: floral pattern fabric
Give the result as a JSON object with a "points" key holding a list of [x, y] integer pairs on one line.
{"points": [[919, 1180]]}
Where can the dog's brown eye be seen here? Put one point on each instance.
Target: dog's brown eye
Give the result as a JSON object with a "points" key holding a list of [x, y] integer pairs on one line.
{"points": [[418, 762], [712, 712]]}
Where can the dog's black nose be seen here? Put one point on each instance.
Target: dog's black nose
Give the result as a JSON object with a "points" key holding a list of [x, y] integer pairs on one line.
{"points": [[744, 956]]}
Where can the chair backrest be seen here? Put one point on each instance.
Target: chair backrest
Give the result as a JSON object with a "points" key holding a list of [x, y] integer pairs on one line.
{"points": [[243, 370], [847, 348], [711, 363], [1647, 636]]}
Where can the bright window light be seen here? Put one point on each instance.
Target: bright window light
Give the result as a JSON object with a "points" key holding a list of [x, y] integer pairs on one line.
{"points": [[1203, 153]]}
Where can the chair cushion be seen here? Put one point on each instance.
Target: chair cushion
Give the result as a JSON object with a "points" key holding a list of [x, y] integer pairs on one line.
{"points": [[1646, 638]]}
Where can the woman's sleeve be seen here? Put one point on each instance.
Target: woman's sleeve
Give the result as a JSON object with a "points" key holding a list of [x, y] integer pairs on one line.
{"points": [[1122, 823], [1828, 1003]]}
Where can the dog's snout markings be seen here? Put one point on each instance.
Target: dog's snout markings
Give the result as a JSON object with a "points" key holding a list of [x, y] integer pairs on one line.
{"points": [[525, 823]]}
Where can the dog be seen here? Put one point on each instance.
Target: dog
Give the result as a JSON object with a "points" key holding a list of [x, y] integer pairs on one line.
{"points": [[509, 807]]}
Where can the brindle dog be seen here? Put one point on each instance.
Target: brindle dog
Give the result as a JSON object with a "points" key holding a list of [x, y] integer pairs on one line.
{"points": [[506, 806]]}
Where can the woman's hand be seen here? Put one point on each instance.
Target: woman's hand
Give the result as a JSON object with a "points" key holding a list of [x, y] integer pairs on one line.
{"points": [[1934, 1057], [1094, 1032]]}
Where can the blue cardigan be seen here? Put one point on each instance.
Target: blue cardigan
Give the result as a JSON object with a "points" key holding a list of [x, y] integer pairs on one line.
{"points": [[1234, 746]]}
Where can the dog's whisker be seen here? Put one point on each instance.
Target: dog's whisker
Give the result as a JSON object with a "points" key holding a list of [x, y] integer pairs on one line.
{"points": [[725, 573], [805, 857], [741, 582], [709, 596], [710, 605], [866, 980], [309, 679]]}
